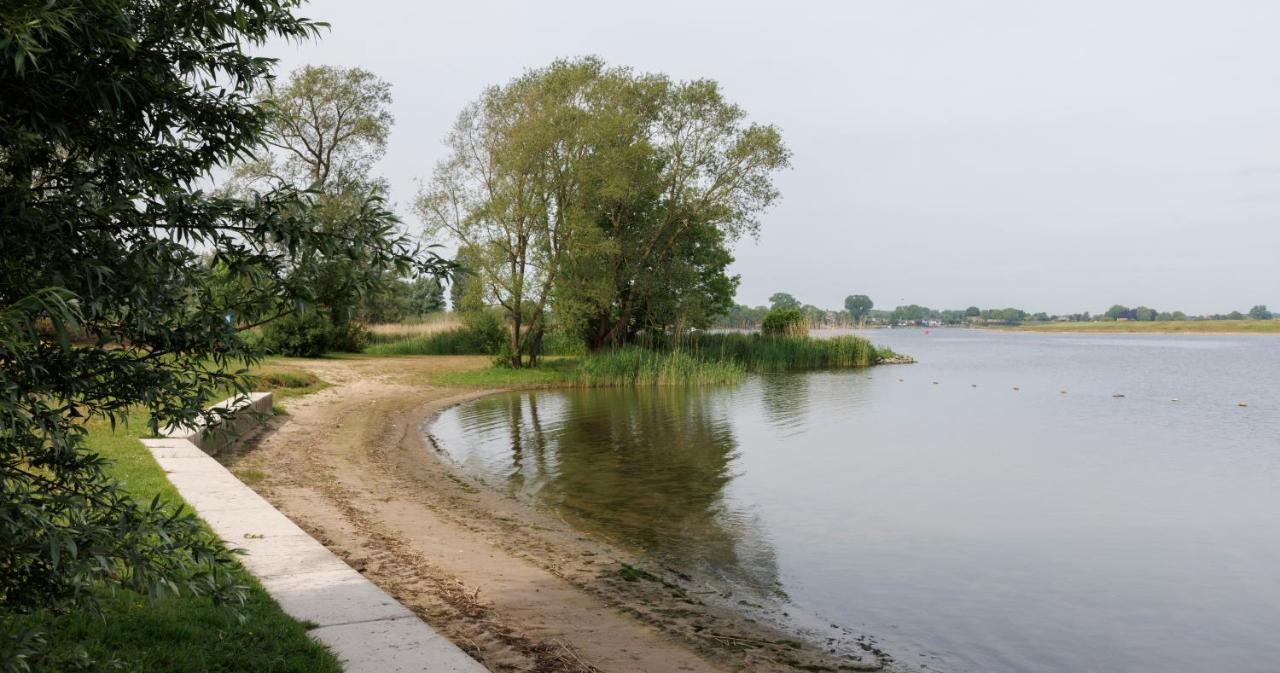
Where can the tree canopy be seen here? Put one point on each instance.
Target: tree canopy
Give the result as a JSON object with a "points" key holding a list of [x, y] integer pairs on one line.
{"points": [[606, 195], [782, 301], [858, 306], [112, 113], [327, 128]]}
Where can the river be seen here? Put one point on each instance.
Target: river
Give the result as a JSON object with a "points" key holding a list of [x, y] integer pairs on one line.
{"points": [[1011, 503]]}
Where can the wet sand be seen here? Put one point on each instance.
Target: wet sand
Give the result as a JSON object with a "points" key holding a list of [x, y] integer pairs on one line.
{"points": [[515, 587]]}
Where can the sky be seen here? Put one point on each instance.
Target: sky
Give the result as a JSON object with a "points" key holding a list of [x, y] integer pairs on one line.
{"points": [[1059, 156]]}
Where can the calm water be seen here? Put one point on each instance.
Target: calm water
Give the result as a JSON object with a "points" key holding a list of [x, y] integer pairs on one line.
{"points": [[973, 529]]}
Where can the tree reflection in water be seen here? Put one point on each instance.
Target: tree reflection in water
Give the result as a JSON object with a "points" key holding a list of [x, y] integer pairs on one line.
{"points": [[647, 467]]}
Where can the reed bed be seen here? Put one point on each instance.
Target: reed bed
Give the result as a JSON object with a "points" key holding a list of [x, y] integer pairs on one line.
{"points": [[450, 342], [760, 353], [631, 366], [381, 333]]}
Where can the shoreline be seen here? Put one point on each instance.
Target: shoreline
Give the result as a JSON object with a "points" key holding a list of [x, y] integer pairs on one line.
{"points": [[513, 585]]}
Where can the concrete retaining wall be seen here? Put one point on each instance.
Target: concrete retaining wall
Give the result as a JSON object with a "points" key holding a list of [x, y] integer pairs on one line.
{"points": [[250, 410], [368, 630]]}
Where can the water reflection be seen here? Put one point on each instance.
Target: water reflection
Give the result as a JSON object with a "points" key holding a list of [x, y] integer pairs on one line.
{"points": [[996, 531], [647, 467], [785, 398]]}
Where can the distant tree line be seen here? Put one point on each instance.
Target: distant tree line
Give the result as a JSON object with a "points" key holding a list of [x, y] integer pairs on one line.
{"points": [[859, 311]]}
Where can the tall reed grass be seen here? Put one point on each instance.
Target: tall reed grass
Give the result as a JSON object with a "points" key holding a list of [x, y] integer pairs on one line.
{"points": [[380, 333], [761, 353], [633, 365], [452, 342]]}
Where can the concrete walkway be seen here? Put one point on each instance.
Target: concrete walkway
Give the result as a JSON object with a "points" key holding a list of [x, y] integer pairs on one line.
{"points": [[367, 629]]}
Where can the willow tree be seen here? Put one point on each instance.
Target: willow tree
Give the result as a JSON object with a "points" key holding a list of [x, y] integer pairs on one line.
{"points": [[510, 194], [610, 196], [707, 179], [327, 129]]}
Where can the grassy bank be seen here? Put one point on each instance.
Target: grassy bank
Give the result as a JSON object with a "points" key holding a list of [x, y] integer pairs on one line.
{"points": [[1166, 326], [696, 360], [622, 367], [181, 633]]}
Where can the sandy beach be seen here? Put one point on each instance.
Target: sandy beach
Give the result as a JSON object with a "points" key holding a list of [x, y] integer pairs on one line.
{"points": [[514, 586]]}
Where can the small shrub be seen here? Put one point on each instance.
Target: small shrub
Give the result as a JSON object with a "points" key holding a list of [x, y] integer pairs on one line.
{"points": [[311, 334], [486, 330]]}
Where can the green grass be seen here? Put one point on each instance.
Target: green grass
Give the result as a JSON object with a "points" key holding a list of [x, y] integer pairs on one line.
{"points": [[552, 372], [697, 360], [181, 633], [285, 382], [1159, 326]]}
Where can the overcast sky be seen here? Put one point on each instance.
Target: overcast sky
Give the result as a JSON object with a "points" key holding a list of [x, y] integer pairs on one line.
{"points": [[1057, 156]]}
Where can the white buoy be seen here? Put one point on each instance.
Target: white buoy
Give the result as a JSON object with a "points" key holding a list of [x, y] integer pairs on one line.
{"points": [[1241, 404], [1174, 400]]}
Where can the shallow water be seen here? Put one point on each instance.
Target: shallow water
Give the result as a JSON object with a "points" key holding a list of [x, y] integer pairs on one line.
{"points": [[970, 526]]}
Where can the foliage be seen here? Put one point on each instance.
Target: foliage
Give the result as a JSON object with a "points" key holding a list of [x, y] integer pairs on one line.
{"points": [[1260, 312], [858, 306], [741, 316], [1200, 326], [1117, 311], [479, 337], [328, 128], [395, 300], [606, 195], [196, 633], [482, 334], [784, 322], [113, 111], [309, 333], [425, 295], [781, 301]]}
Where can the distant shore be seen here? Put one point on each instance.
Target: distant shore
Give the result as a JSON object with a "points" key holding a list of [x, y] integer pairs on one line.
{"points": [[1156, 327]]}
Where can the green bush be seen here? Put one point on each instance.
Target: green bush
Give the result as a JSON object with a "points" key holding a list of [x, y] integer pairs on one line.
{"points": [[564, 344], [486, 329], [784, 322], [311, 334]]}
